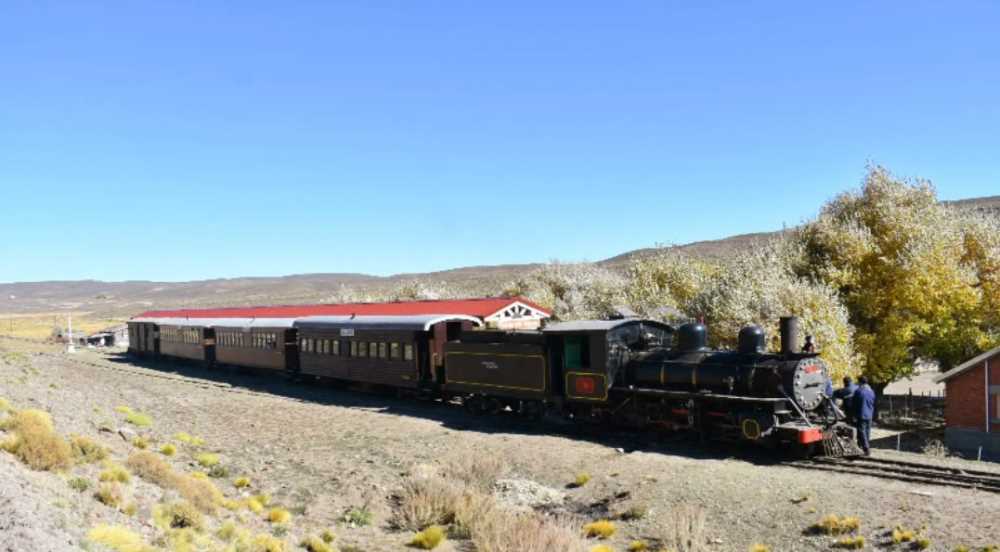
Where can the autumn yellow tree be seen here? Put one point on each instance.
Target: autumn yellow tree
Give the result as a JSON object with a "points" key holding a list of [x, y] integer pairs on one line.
{"points": [[914, 273]]}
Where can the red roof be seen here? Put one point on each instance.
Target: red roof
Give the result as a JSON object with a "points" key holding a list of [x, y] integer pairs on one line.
{"points": [[480, 308]]}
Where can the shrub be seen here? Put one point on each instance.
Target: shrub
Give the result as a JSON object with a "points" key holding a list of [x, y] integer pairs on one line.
{"points": [[254, 505], [79, 484], [207, 460], [316, 544], [130, 509], [327, 536], [922, 543], [118, 538], [178, 515], [263, 498], [140, 442], [114, 473], [834, 525], [279, 516], [499, 530], [5, 405], [218, 471], [36, 443], [635, 511], [168, 450], [686, 530], [241, 482], [760, 548], [429, 538], [425, 502], [86, 450], [109, 494], [139, 419], [851, 543], [900, 535], [358, 517], [151, 467], [601, 548], [199, 475], [478, 472], [601, 529], [580, 480], [124, 410], [637, 546], [182, 437]]}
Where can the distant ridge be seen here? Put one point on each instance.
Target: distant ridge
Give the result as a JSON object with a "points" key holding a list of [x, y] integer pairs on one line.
{"points": [[123, 299]]}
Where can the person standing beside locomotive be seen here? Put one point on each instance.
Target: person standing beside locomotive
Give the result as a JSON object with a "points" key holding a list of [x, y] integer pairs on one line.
{"points": [[845, 394], [863, 403]]}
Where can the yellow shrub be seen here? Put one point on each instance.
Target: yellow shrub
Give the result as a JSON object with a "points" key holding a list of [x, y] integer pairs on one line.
{"points": [[278, 515], [429, 538], [601, 529], [86, 450], [922, 543], [207, 460], [141, 443], [130, 509], [109, 494], [316, 544], [151, 467], [119, 539], [124, 410], [199, 475], [182, 437], [851, 543], [637, 546], [114, 473], [760, 548], [254, 505], [168, 450], [200, 492], [139, 419], [177, 515], [581, 479], [327, 536], [900, 535], [833, 525], [35, 442], [5, 405], [601, 548], [266, 543], [263, 499], [241, 482]]}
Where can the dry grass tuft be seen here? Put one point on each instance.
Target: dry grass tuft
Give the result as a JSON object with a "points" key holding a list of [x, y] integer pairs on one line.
{"points": [[118, 539], [140, 442], [900, 535], [253, 505], [241, 482], [478, 472], [850, 543], [686, 530], [425, 502], [266, 543], [35, 441], [760, 548], [316, 544], [109, 494], [834, 525], [601, 529], [278, 516], [86, 450], [151, 467], [139, 419], [499, 530], [79, 484], [113, 473], [207, 460], [637, 546], [601, 548], [178, 515], [580, 480], [922, 543], [168, 450], [429, 538], [200, 492], [5, 405], [183, 437], [327, 536], [124, 410]]}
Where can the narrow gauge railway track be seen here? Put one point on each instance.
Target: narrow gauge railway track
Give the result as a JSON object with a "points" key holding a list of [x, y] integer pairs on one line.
{"points": [[910, 472]]}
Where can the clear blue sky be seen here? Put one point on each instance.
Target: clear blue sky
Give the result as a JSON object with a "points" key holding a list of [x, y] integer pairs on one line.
{"points": [[188, 140]]}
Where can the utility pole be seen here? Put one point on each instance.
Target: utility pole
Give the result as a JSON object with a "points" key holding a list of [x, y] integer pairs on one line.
{"points": [[72, 347]]}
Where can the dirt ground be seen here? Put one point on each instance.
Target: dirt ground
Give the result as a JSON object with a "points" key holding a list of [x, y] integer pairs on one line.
{"points": [[324, 453]]}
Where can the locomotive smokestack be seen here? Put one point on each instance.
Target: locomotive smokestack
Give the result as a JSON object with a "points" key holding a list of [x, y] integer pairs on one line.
{"points": [[789, 334]]}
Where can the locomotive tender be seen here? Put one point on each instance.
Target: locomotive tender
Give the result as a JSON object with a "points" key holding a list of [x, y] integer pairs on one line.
{"points": [[630, 371]]}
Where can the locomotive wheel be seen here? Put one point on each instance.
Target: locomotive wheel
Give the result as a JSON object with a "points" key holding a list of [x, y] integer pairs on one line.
{"points": [[475, 405]]}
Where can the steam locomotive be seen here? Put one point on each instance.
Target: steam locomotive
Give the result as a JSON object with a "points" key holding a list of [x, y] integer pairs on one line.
{"points": [[633, 372]]}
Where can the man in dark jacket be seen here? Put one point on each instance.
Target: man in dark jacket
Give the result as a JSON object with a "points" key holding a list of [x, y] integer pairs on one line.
{"points": [[863, 403], [845, 394]]}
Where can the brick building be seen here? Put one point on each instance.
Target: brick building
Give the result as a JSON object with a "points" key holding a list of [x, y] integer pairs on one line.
{"points": [[972, 405]]}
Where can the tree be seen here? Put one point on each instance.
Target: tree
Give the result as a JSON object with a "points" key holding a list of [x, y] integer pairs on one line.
{"points": [[908, 270]]}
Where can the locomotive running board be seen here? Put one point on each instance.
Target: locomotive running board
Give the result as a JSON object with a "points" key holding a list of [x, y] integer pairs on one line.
{"points": [[663, 393]]}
